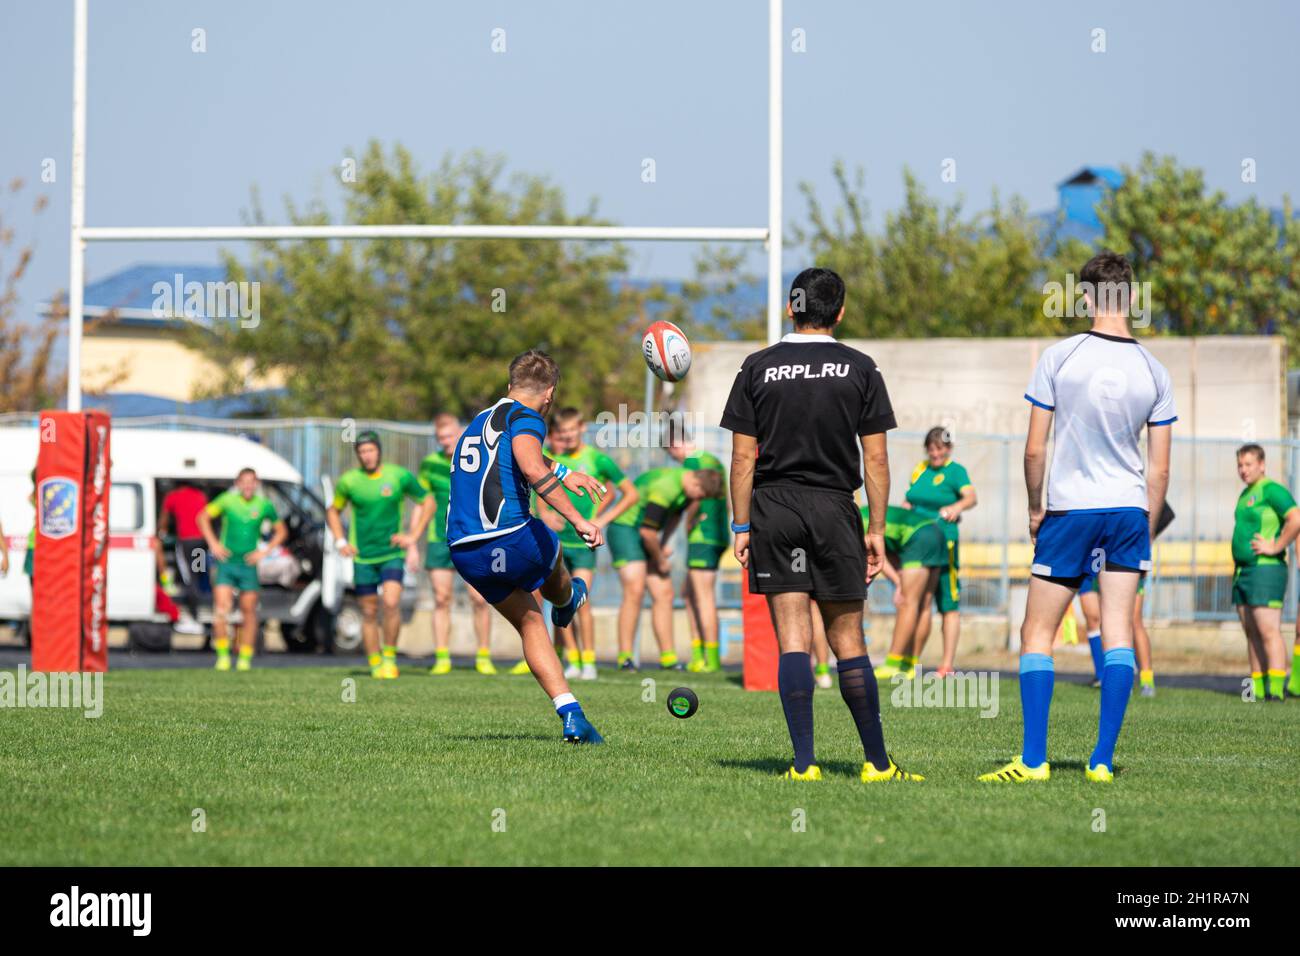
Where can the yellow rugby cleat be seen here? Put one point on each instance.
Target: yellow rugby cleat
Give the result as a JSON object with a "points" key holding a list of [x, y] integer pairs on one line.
{"points": [[520, 668], [886, 671], [1017, 772], [223, 662], [893, 772], [244, 664], [813, 772], [483, 664], [441, 666], [1098, 774]]}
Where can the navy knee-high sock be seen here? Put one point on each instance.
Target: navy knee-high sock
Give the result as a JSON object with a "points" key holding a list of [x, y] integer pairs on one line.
{"points": [[860, 693], [795, 680]]}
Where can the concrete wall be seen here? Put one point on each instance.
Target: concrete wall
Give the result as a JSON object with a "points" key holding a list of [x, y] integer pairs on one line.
{"points": [[1224, 386]]}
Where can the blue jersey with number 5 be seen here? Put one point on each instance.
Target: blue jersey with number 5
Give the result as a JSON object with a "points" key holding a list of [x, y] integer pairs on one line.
{"points": [[489, 493]]}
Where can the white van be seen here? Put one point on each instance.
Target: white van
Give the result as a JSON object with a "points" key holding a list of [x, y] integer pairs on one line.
{"points": [[315, 610]]}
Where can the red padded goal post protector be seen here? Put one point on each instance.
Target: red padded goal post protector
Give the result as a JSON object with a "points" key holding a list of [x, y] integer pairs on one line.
{"points": [[70, 564]]}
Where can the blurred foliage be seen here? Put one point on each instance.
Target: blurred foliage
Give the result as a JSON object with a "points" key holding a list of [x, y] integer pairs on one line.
{"points": [[29, 380], [402, 329]]}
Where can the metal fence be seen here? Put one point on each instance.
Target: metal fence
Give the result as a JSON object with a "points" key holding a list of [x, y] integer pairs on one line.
{"points": [[1191, 581]]}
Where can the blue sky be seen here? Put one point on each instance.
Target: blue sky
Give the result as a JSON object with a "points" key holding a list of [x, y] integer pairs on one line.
{"points": [[588, 88]]}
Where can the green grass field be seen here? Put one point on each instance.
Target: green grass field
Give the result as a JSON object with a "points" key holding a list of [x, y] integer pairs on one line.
{"points": [[417, 770]]}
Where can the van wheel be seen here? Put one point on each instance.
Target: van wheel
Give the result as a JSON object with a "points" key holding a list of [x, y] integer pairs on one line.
{"points": [[146, 637], [347, 627]]}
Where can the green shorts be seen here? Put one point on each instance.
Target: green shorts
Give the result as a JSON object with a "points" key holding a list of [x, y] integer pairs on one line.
{"points": [[236, 574], [366, 578], [1261, 585], [578, 556], [704, 557], [437, 556], [924, 549], [625, 545]]}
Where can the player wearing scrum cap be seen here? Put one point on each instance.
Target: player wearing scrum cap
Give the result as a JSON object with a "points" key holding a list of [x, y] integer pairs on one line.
{"points": [[376, 543]]}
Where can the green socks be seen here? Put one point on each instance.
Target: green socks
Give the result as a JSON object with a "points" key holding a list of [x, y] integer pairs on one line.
{"points": [[1276, 683]]}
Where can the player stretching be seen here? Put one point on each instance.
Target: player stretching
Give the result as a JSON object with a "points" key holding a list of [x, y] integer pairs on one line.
{"points": [[435, 476], [498, 547], [638, 543], [1102, 388], [377, 544], [1265, 523], [567, 448], [707, 539], [242, 512], [804, 414]]}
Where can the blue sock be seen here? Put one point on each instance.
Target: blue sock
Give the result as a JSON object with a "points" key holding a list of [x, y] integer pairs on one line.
{"points": [[1116, 685], [1094, 645], [1037, 676], [794, 678]]}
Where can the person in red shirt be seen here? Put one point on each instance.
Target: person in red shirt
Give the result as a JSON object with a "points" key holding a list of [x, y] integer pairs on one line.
{"points": [[179, 515]]}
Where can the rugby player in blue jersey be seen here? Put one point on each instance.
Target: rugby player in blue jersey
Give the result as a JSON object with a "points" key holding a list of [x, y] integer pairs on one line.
{"points": [[499, 547]]}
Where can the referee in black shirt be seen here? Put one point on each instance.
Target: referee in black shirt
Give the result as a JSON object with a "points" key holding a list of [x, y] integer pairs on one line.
{"points": [[798, 411]]}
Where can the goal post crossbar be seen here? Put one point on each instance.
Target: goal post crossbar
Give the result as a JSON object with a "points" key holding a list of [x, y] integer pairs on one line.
{"points": [[412, 231], [80, 234]]}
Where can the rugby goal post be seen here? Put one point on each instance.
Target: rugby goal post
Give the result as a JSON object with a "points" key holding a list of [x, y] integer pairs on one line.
{"points": [[81, 234]]}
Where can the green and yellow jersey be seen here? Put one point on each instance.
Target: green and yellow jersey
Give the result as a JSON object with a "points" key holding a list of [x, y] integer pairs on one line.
{"points": [[933, 488], [435, 478], [590, 461], [713, 528], [241, 520], [376, 500], [661, 497], [1261, 509]]}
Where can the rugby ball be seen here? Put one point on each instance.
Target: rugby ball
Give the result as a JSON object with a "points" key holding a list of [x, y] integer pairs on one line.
{"points": [[667, 351]]}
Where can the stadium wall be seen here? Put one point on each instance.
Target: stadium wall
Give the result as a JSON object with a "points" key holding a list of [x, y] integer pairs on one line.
{"points": [[1231, 387]]}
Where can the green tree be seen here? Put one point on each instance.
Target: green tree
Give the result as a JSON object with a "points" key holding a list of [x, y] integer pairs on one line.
{"points": [[1214, 268], [933, 270], [403, 329]]}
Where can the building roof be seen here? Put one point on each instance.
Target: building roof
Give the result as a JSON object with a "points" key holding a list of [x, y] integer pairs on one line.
{"points": [[133, 295]]}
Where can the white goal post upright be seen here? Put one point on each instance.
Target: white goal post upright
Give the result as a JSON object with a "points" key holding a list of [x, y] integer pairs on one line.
{"points": [[80, 234]]}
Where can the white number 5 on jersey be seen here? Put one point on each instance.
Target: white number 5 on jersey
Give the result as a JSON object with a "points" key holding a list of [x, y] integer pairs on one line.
{"points": [[469, 453]]}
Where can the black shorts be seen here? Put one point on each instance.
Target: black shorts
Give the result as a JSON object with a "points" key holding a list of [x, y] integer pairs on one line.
{"points": [[806, 540]]}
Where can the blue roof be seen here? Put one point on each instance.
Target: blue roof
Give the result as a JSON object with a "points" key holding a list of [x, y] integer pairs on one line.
{"points": [[139, 404], [130, 292], [1089, 175]]}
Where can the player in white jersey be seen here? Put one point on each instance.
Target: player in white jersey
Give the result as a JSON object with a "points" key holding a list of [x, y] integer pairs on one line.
{"points": [[1102, 388]]}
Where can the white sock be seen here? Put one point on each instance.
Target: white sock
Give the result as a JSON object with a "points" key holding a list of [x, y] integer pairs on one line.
{"points": [[1094, 635], [563, 699]]}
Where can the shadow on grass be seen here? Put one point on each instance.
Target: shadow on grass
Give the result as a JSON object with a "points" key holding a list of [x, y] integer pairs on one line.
{"points": [[775, 767], [479, 738]]}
